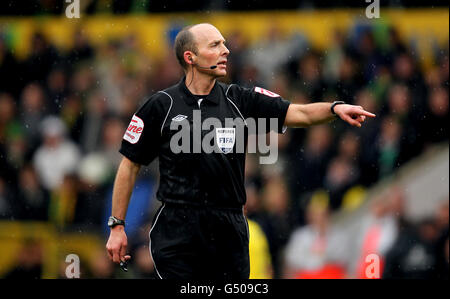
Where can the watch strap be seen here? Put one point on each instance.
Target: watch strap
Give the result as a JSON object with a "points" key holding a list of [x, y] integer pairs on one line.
{"points": [[334, 104], [113, 221]]}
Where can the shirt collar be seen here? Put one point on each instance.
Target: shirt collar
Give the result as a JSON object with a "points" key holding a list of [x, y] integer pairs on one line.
{"points": [[190, 99]]}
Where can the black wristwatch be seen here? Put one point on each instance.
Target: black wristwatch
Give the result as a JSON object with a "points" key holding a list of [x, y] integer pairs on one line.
{"points": [[113, 221], [334, 104]]}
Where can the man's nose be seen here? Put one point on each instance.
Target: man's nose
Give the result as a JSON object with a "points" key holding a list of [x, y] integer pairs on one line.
{"points": [[225, 51]]}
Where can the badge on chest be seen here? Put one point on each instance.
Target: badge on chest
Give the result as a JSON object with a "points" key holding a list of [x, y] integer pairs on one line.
{"points": [[225, 138]]}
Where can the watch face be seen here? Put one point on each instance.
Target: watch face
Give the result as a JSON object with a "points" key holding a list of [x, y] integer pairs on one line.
{"points": [[110, 221]]}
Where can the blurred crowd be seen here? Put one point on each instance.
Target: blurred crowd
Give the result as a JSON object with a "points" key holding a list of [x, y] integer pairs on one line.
{"points": [[63, 115]]}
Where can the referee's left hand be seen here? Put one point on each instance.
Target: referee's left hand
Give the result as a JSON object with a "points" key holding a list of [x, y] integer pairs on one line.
{"points": [[354, 115]]}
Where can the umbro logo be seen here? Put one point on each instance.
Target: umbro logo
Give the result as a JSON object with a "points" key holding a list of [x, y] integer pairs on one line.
{"points": [[179, 117]]}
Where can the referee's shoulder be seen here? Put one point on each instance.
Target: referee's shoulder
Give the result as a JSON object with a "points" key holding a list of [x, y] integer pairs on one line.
{"points": [[158, 102], [163, 96], [231, 90]]}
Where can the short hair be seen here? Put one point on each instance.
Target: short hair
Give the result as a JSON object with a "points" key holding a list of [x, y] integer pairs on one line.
{"points": [[184, 41]]}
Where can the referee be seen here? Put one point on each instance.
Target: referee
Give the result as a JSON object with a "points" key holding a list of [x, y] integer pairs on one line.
{"points": [[200, 230]]}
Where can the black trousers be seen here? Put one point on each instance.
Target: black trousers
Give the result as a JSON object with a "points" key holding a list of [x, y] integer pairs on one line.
{"points": [[188, 242]]}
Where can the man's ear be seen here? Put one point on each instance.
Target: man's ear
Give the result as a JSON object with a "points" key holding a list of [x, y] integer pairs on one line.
{"points": [[188, 57]]}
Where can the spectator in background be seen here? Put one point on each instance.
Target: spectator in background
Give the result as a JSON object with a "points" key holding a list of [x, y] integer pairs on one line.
{"points": [[7, 115], [34, 108], [401, 105], [395, 45], [57, 156], [274, 45], [63, 202], [273, 220], [260, 258], [405, 71], [91, 123], [8, 66], [377, 235], [341, 175], [388, 145], [32, 201], [308, 76], [365, 50], [81, 50], [413, 254], [399, 101], [315, 250], [72, 115], [398, 201], [83, 81], [367, 137], [309, 167], [107, 66], [42, 59], [95, 174], [17, 149], [435, 123], [348, 79], [112, 133], [333, 58], [167, 71], [56, 89], [349, 147], [7, 171], [12, 140], [236, 62]]}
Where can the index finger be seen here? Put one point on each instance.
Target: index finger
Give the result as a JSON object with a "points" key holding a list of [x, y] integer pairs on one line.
{"points": [[366, 113]]}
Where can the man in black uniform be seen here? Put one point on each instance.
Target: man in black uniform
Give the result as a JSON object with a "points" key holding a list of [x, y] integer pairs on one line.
{"points": [[200, 230]]}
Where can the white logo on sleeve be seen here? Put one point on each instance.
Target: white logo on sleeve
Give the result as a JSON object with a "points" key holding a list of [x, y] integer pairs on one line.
{"points": [[266, 92], [134, 130]]}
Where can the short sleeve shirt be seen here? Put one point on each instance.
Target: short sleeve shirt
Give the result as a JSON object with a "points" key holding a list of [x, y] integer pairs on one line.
{"points": [[201, 142]]}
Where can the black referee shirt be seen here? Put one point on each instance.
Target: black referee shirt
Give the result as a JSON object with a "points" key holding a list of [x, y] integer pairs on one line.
{"points": [[198, 178]]}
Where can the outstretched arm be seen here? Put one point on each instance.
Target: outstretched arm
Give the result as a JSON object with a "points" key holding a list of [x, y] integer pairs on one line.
{"points": [[318, 113]]}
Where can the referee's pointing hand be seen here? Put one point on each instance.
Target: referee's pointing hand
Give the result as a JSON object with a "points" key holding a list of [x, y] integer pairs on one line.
{"points": [[354, 115], [117, 245]]}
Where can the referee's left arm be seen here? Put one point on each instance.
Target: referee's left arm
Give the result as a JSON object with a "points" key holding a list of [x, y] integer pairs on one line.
{"points": [[306, 115]]}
